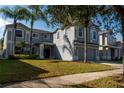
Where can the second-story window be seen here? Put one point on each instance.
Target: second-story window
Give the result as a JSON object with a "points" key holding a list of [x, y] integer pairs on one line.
{"points": [[46, 36], [94, 35], [80, 32], [18, 33], [58, 35], [35, 35], [66, 33]]}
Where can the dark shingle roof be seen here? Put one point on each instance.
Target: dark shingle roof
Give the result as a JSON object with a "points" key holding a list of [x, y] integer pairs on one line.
{"points": [[26, 27]]}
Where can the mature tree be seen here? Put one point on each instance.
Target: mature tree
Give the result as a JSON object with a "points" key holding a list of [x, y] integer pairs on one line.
{"points": [[73, 15], [16, 13], [120, 13], [112, 18], [34, 13]]}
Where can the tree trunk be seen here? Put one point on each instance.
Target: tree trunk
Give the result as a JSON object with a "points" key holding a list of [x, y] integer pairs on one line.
{"points": [[120, 11], [85, 44], [122, 23], [14, 42], [31, 37]]}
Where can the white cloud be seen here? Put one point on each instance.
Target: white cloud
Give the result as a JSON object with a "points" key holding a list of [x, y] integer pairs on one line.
{"points": [[2, 25]]}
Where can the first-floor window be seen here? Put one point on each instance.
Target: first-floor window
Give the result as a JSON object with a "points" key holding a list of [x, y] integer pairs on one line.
{"points": [[27, 37], [76, 52], [9, 35]]}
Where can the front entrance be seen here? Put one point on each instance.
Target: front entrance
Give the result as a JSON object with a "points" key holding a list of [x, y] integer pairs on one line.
{"points": [[46, 52], [112, 53]]}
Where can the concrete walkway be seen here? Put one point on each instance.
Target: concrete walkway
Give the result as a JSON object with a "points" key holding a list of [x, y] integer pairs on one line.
{"points": [[58, 82]]}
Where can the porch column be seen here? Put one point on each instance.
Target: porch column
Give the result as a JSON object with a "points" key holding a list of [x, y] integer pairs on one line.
{"points": [[97, 55], [41, 51], [119, 53]]}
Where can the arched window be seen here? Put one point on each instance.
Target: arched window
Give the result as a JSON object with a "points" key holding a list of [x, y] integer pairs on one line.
{"points": [[18, 33]]}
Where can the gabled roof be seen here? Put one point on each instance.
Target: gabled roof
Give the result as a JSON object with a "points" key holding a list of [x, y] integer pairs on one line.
{"points": [[25, 27]]}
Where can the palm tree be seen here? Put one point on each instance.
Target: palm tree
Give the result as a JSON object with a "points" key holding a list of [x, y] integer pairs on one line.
{"points": [[34, 13], [16, 13]]}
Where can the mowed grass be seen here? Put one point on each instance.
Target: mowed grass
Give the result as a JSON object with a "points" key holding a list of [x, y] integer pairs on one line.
{"points": [[106, 82], [26, 69]]}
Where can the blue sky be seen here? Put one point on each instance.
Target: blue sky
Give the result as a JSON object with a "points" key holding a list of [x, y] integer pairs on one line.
{"points": [[38, 25]]}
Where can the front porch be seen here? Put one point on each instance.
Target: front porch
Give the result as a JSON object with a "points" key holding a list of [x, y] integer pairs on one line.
{"points": [[110, 53], [46, 51]]}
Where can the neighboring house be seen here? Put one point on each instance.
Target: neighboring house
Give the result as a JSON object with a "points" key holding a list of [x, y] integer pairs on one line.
{"points": [[69, 43], [109, 48]]}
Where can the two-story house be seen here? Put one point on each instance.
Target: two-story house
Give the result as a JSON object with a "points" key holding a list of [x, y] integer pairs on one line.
{"points": [[109, 48], [42, 41], [69, 43]]}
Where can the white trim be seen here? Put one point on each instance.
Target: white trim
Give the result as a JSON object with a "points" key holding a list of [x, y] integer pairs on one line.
{"points": [[22, 33], [27, 41], [78, 33], [93, 35], [8, 34], [48, 37], [35, 37], [41, 51]]}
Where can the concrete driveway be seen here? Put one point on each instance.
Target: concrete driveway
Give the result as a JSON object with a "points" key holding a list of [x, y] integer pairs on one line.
{"points": [[59, 82]]}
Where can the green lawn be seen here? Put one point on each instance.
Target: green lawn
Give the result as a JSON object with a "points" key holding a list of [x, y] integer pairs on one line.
{"points": [[26, 69], [107, 82]]}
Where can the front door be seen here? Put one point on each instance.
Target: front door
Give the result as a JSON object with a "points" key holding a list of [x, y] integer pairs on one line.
{"points": [[112, 53], [47, 52]]}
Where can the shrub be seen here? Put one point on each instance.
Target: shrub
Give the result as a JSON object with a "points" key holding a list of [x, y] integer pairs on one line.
{"points": [[33, 56], [23, 56]]}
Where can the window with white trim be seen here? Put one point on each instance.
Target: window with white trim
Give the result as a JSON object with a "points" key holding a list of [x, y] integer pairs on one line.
{"points": [[27, 37], [94, 35], [9, 35], [18, 33], [35, 35], [80, 32], [46, 36]]}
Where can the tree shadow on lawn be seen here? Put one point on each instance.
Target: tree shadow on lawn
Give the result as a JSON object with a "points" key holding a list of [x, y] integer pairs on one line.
{"points": [[12, 71]]}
